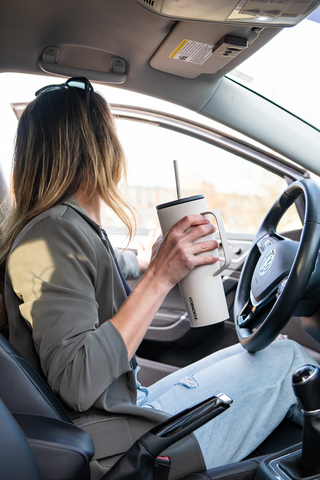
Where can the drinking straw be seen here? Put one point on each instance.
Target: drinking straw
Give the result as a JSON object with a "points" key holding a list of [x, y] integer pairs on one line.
{"points": [[176, 173]]}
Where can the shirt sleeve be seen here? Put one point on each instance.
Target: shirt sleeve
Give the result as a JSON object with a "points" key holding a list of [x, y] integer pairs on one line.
{"points": [[128, 263], [53, 271]]}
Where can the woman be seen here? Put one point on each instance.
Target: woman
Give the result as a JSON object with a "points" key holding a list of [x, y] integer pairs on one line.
{"points": [[67, 305]]}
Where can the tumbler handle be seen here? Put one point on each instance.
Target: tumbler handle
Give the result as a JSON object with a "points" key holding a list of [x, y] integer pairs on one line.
{"points": [[224, 240]]}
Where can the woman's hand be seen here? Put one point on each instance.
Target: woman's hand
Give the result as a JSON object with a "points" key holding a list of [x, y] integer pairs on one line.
{"points": [[175, 255]]}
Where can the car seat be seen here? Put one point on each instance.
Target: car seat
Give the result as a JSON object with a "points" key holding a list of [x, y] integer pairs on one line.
{"points": [[59, 449], [16, 457]]}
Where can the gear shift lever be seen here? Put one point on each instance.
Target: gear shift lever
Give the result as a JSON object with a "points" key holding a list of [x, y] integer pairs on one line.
{"points": [[306, 386]]}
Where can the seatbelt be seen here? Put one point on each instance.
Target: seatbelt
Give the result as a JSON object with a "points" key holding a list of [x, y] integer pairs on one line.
{"points": [[162, 465], [124, 282]]}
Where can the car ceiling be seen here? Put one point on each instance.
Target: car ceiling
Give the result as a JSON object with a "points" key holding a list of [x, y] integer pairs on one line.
{"points": [[116, 27], [90, 32]]}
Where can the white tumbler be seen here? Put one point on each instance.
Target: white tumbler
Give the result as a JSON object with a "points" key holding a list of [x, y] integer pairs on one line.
{"points": [[202, 288]]}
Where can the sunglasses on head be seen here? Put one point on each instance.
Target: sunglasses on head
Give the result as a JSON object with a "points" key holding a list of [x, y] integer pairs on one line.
{"points": [[74, 82]]}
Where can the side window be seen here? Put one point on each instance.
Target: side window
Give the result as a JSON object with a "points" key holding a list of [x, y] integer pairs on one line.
{"points": [[242, 191]]}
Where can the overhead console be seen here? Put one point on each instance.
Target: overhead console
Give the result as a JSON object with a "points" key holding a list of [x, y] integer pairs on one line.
{"points": [[209, 34], [278, 13]]}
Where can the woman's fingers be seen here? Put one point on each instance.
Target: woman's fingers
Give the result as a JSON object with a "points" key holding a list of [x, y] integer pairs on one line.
{"points": [[190, 221], [200, 233], [184, 247], [193, 227], [203, 247], [197, 254]]}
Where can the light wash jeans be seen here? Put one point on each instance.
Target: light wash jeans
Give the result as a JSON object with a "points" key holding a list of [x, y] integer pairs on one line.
{"points": [[258, 383]]}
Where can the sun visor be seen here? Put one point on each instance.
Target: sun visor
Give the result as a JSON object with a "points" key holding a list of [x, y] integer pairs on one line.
{"points": [[277, 13], [193, 48]]}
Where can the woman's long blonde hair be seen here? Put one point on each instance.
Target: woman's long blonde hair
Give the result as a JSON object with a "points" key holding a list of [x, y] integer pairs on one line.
{"points": [[62, 143]]}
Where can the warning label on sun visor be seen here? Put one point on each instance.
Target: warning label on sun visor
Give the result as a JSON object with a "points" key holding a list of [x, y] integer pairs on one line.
{"points": [[192, 52]]}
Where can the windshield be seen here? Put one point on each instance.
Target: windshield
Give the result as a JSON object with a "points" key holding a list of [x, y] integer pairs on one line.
{"points": [[286, 70]]}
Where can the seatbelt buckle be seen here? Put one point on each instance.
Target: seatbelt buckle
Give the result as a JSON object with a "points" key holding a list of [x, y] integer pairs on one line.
{"points": [[161, 468]]}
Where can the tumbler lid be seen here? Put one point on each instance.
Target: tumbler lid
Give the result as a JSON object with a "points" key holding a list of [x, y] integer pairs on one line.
{"points": [[179, 201]]}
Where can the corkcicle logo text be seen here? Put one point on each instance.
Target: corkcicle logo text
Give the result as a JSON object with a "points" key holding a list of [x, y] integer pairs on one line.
{"points": [[193, 309]]}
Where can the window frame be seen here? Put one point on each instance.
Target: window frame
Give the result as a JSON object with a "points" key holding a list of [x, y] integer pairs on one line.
{"points": [[270, 161]]}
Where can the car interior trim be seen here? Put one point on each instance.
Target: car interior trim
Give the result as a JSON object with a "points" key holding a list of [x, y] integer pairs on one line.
{"points": [[270, 161], [240, 109]]}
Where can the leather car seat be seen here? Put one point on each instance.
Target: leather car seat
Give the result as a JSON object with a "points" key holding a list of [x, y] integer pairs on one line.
{"points": [[16, 457], [61, 449]]}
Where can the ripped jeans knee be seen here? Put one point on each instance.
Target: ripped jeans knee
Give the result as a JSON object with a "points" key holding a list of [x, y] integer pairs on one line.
{"points": [[189, 382]]}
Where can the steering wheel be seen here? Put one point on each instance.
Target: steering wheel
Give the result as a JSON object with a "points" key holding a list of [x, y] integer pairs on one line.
{"points": [[277, 270]]}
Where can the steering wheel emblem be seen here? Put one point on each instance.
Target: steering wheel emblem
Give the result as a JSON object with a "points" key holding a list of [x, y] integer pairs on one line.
{"points": [[266, 262]]}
